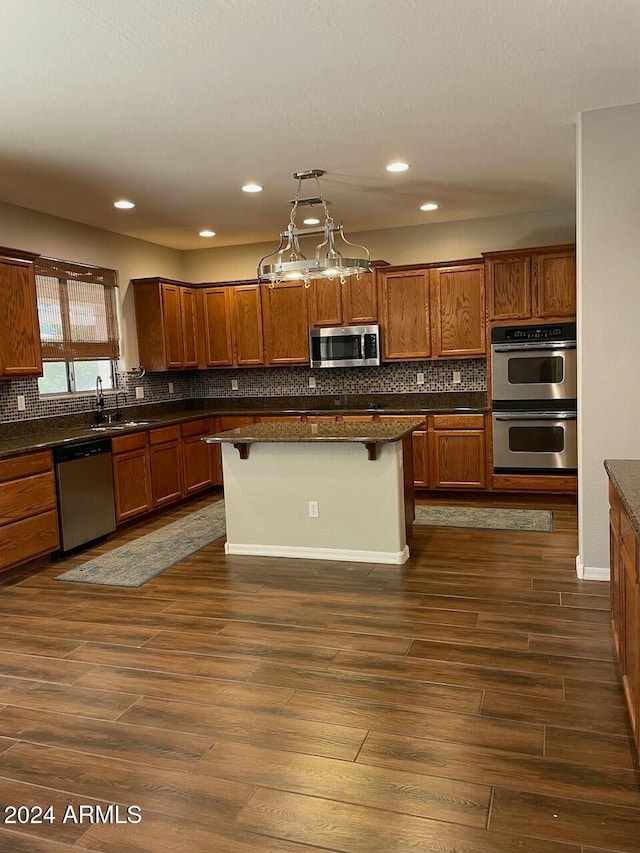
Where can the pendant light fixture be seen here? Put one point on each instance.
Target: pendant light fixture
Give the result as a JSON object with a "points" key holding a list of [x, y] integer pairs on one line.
{"points": [[288, 262]]}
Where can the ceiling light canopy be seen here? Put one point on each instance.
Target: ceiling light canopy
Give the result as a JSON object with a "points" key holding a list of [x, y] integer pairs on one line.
{"points": [[252, 188], [288, 262], [430, 205], [206, 233], [398, 166], [123, 204]]}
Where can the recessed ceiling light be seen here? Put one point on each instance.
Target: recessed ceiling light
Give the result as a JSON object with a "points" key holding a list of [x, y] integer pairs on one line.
{"points": [[311, 221], [123, 204], [430, 205], [206, 233], [397, 167], [252, 188]]}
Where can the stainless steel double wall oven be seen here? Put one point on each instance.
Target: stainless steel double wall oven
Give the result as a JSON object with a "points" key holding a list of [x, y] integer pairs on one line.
{"points": [[534, 391]]}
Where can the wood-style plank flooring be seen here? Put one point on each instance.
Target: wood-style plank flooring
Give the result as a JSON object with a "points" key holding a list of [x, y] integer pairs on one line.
{"points": [[467, 702]]}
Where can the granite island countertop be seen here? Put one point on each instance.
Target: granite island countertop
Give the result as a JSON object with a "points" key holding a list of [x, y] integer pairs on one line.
{"points": [[625, 476], [377, 432]]}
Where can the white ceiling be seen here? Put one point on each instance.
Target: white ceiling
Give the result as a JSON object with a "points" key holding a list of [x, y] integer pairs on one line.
{"points": [[177, 103]]}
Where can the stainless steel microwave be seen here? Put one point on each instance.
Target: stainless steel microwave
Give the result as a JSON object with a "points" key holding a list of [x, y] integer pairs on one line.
{"points": [[344, 346]]}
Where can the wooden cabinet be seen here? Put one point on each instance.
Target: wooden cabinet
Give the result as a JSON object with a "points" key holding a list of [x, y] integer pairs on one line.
{"points": [[625, 606], [420, 448], [458, 321], [131, 475], [532, 284], [28, 516], [286, 327], [457, 450], [405, 314], [196, 455], [233, 325], [215, 456], [166, 324], [354, 303], [20, 353], [166, 465]]}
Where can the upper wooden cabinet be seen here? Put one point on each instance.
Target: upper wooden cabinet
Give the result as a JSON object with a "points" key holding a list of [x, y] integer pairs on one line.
{"points": [[166, 324], [532, 284], [20, 353], [354, 303], [405, 314], [458, 321], [233, 325], [286, 326]]}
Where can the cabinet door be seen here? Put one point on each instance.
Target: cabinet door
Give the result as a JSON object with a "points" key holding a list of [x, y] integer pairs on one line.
{"points": [[458, 312], [19, 329], [166, 472], [405, 315], [188, 318], [196, 456], [172, 325], [246, 316], [325, 302], [458, 459], [285, 323], [616, 585], [554, 278], [360, 300], [215, 455], [509, 288], [132, 484], [631, 643], [217, 326], [420, 458]]}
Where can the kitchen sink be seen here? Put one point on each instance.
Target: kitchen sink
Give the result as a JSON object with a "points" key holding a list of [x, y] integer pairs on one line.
{"points": [[117, 427]]}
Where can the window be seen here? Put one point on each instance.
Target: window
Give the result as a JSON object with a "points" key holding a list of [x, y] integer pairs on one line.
{"points": [[77, 311]]}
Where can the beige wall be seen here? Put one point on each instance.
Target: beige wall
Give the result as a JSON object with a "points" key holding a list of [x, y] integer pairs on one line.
{"points": [[443, 241], [608, 255], [21, 228]]}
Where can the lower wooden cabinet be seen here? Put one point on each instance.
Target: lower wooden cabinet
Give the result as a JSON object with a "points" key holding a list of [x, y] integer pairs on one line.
{"points": [[166, 465], [28, 515], [625, 605], [458, 452], [131, 476], [196, 455]]}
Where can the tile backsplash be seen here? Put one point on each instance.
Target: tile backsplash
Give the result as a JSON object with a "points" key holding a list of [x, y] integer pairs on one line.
{"points": [[254, 382]]}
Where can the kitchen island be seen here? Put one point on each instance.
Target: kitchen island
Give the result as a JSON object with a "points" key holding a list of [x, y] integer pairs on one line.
{"points": [[326, 491]]}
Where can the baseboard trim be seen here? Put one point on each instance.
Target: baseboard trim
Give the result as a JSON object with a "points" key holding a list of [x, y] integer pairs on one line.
{"points": [[388, 557], [591, 573]]}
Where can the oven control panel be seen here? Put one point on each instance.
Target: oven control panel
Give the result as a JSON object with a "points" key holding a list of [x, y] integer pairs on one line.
{"points": [[523, 334]]}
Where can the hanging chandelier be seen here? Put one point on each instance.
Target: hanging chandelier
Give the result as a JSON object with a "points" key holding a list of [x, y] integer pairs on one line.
{"points": [[289, 263]]}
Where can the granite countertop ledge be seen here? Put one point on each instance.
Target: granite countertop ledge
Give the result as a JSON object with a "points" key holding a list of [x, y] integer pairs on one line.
{"points": [[625, 476], [377, 432]]}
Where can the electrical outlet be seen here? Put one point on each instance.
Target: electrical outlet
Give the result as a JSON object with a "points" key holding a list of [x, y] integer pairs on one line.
{"points": [[312, 382], [419, 378], [234, 384], [457, 378], [313, 509], [171, 387], [22, 403], [139, 392]]}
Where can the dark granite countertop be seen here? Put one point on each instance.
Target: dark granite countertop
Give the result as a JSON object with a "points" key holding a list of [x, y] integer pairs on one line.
{"points": [[364, 431], [29, 435], [625, 476]]}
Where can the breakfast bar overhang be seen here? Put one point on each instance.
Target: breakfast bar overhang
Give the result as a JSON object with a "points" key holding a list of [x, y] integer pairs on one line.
{"points": [[359, 476]]}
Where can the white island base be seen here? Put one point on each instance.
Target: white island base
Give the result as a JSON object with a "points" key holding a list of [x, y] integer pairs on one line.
{"points": [[361, 501]]}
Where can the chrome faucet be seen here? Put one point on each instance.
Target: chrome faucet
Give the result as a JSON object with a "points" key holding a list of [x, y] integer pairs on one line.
{"points": [[100, 402], [118, 412]]}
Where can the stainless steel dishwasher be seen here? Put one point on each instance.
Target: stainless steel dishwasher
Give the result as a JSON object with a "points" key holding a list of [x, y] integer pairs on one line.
{"points": [[84, 480]]}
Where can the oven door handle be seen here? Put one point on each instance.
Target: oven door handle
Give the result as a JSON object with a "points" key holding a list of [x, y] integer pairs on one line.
{"points": [[538, 416], [544, 345]]}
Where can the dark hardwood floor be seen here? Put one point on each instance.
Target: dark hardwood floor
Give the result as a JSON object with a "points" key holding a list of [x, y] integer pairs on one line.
{"points": [[467, 702]]}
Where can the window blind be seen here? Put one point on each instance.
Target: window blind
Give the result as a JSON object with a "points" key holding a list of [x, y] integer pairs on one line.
{"points": [[77, 310]]}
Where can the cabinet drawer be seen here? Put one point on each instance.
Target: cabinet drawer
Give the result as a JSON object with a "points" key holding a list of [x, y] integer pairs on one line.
{"points": [[458, 421], [201, 427], [126, 443], [164, 434], [235, 422], [32, 537], [25, 497], [25, 466], [628, 539]]}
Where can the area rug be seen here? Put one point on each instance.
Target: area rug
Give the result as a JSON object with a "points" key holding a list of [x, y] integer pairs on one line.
{"points": [[137, 562], [491, 518]]}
